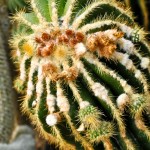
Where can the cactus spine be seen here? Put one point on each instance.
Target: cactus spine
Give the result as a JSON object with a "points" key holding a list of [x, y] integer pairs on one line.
{"points": [[84, 70]]}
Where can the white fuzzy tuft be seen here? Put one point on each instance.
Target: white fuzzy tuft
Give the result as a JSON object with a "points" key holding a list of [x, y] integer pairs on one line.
{"points": [[100, 91], [18, 53], [50, 101], [84, 104], [29, 92], [126, 45], [122, 100], [63, 104], [126, 61], [34, 103], [80, 49], [81, 128], [30, 85], [145, 63], [51, 120], [138, 74], [128, 89], [59, 93], [62, 101], [22, 68], [123, 83], [126, 29], [129, 65], [65, 107], [39, 87]]}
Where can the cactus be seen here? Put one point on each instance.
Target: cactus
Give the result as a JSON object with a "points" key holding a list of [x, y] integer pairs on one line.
{"points": [[84, 72]]}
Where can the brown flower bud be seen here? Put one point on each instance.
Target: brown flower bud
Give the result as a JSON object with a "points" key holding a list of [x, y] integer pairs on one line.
{"points": [[39, 49], [80, 36], [46, 37], [65, 38], [51, 47], [38, 40], [73, 42], [69, 32], [45, 52], [60, 39]]}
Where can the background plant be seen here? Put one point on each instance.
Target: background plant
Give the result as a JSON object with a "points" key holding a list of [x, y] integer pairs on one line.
{"points": [[141, 11], [95, 53], [10, 137], [7, 120]]}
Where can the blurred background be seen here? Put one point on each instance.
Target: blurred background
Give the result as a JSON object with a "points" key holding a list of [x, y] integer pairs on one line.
{"points": [[15, 128]]}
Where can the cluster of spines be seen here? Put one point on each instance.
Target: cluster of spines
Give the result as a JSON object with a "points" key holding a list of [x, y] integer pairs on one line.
{"points": [[89, 116]]}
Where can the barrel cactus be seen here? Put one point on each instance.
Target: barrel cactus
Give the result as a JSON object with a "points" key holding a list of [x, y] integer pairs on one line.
{"points": [[84, 72]]}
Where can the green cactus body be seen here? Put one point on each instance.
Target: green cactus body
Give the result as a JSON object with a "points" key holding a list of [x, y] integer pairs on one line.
{"points": [[84, 70]]}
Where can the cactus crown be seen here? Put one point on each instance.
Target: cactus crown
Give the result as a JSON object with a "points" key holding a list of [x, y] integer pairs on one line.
{"points": [[92, 51]]}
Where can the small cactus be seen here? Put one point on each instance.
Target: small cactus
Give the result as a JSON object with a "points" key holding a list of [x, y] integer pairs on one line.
{"points": [[84, 70]]}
